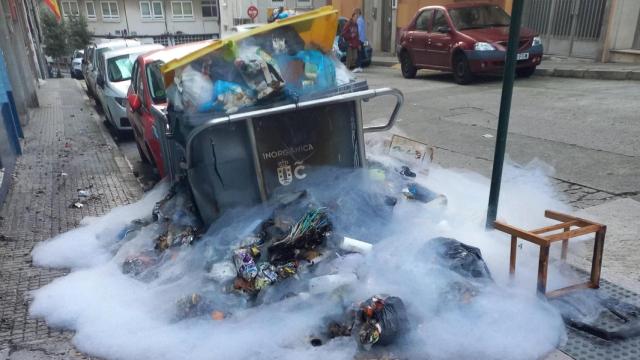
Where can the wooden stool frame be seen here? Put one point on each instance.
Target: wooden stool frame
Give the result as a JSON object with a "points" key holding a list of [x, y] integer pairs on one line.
{"points": [[541, 238]]}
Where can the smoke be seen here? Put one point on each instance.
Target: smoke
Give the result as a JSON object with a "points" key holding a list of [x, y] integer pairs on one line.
{"points": [[117, 316]]}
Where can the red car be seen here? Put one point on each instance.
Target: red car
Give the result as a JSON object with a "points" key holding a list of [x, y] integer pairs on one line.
{"points": [[466, 39], [147, 99]]}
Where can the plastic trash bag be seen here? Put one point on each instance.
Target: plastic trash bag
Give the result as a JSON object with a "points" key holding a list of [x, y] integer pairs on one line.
{"points": [[463, 259]]}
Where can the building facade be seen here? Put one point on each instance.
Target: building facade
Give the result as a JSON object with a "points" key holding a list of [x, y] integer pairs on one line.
{"points": [[160, 21], [602, 30], [234, 12]]}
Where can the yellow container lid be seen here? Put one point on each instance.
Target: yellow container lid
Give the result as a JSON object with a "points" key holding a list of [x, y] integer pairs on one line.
{"points": [[317, 28]]}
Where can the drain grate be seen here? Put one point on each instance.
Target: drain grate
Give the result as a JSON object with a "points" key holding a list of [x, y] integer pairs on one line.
{"points": [[582, 346]]}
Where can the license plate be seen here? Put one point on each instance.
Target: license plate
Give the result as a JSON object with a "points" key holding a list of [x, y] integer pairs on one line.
{"points": [[522, 56]]}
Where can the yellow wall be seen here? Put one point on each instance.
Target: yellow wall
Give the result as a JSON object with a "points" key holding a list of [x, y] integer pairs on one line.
{"points": [[408, 8], [346, 7]]}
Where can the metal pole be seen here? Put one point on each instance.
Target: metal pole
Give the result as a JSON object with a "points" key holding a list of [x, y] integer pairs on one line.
{"points": [[505, 108]]}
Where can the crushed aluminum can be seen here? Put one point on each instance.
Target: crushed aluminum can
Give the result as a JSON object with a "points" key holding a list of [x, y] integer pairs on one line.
{"points": [[245, 265], [287, 270], [266, 276]]}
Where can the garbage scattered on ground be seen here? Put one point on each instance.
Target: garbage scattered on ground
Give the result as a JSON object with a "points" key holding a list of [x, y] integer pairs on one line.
{"points": [[298, 273]]}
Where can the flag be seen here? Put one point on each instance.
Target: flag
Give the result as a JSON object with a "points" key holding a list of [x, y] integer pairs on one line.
{"points": [[55, 8]]}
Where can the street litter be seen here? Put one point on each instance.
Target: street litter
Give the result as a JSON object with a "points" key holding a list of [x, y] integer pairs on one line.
{"points": [[277, 227]]}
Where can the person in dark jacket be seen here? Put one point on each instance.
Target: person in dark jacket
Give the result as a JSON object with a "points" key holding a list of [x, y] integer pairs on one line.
{"points": [[350, 34]]}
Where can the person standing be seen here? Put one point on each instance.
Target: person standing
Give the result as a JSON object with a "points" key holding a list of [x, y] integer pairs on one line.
{"points": [[362, 38], [350, 35]]}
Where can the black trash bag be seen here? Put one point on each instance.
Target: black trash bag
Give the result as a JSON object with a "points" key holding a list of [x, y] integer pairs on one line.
{"points": [[463, 259], [381, 320]]}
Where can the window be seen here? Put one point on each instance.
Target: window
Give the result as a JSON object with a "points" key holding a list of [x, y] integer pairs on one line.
{"points": [[479, 17], [439, 20], [70, 8], [110, 10], [119, 68], [209, 8], [423, 20], [182, 9], [303, 3], [151, 10], [91, 10], [134, 77], [156, 84]]}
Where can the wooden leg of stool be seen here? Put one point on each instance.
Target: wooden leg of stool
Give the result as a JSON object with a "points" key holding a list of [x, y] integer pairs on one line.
{"points": [[596, 262], [543, 264], [565, 246], [512, 257]]}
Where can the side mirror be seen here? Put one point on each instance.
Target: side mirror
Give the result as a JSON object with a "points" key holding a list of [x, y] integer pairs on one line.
{"points": [[134, 102], [100, 80], [443, 29]]}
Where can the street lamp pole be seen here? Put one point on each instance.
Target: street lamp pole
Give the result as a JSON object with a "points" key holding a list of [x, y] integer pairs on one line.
{"points": [[505, 109]]}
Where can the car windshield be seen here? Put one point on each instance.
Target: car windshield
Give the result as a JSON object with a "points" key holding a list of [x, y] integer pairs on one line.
{"points": [[479, 17], [119, 67]]}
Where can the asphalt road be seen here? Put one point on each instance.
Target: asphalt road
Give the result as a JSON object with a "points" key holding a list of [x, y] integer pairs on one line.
{"points": [[588, 130]]}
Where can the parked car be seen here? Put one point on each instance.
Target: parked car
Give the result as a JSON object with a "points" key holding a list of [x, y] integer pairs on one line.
{"points": [[466, 39], [113, 80], [75, 68], [368, 50], [147, 100], [91, 68]]}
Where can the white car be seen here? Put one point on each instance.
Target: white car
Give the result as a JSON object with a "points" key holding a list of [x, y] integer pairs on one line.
{"points": [[91, 68], [76, 64], [113, 80]]}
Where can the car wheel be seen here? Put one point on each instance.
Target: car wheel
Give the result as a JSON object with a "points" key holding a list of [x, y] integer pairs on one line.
{"points": [[461, 70], [525, 72], [406, 65]]}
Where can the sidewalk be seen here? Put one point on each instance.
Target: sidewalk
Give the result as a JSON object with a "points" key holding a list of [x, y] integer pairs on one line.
{"points": [[557, 66], [65, 149]]}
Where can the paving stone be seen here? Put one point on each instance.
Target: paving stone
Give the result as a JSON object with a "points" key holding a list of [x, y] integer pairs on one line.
{"points": [[62, 153]]}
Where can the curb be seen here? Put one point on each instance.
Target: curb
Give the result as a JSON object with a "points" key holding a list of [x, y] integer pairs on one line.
{"points": [[578, 73], [596, 74]]}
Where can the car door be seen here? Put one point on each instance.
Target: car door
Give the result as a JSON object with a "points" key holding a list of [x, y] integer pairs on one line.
{"points": [[418, 36], [134, 116], [440, 40], [154, 94]]}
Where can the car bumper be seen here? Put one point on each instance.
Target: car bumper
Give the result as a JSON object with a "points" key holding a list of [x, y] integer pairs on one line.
{"points": [[493, 61], [119, 117]]}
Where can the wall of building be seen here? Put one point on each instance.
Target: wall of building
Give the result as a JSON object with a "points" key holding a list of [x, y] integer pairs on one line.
{"points": [[623, 23], [130, 19], [235, 11]]}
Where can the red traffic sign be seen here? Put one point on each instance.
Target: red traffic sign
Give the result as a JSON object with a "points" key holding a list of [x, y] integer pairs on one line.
{"points": [[252, 11]]}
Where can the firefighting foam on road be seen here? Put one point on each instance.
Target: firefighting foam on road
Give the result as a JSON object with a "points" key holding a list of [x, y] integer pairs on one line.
{"points": [[278, 281]]}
